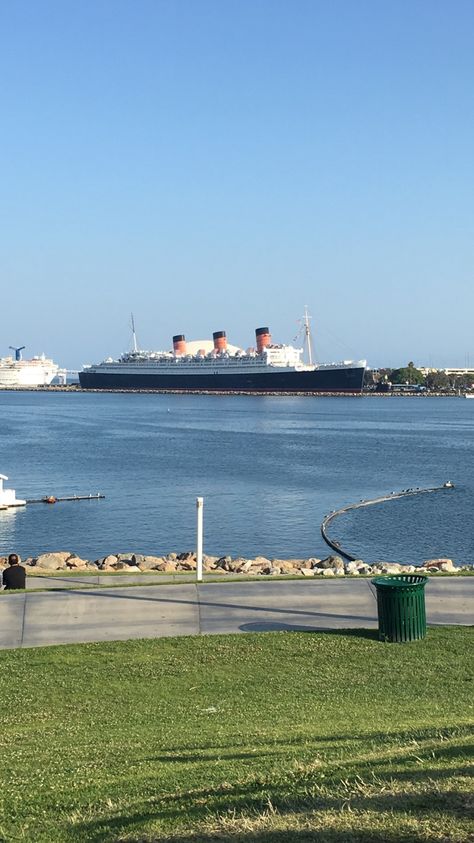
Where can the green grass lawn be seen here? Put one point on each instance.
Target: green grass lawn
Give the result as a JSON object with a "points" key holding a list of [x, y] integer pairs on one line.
{"points": [[259, 738]]}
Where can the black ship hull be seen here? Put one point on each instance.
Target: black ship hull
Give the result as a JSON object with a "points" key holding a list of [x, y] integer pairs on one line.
{"points": [[343, 380]]}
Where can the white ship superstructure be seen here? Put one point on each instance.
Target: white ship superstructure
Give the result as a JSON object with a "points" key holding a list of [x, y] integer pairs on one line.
{"points": [[283, 358], [14, 371]]}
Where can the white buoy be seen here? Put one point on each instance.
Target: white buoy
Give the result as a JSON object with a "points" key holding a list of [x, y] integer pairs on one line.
{"points": [[7, 496], [199, 509]]}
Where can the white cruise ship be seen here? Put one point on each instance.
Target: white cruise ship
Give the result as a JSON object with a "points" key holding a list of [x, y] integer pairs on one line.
{"points": [[14, 371]]}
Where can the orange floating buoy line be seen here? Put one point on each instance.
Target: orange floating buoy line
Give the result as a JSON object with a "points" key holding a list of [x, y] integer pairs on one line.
{"points": [[54, 499]]}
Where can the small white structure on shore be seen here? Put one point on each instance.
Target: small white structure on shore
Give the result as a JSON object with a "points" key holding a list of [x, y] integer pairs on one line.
{"points": [[7, 496]]}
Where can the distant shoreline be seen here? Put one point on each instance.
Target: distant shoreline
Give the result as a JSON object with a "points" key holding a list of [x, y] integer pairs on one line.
{"points": [[78, 389]]}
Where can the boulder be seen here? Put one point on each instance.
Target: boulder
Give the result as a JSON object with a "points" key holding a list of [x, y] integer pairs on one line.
{"points": [[323, 563], [186, 556], [440, 564], [224, 563], [31, 562], [262, 560], [448, 567], [313, 562], [166, 566], [351, 567], [108, 562], [297, 564], [188, 564], [328, 572], [150, 563], [287, 566], [244, 565], [238, 562], [254, 569], [76, 562], [125, 557], [137, 559], [209, 561], [331, 562], [391, 568], [308, 572], [53, 561]]}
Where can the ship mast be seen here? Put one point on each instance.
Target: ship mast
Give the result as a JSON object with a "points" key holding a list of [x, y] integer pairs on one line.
{"points": [[135, 347], [307, 334]]}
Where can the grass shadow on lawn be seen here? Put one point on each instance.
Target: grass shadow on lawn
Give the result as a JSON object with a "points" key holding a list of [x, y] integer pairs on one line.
{"points": [[456, 752], [348, 835], [264, 811], [280, 626], [406, 782]]}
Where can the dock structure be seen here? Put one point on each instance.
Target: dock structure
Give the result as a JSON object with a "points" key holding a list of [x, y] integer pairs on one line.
{"points": [[8, 497], [405, 493], [54, 499]]}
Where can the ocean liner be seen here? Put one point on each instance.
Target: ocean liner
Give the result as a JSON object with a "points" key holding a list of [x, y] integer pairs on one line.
{"points": [[216, 366], [14, 371]]}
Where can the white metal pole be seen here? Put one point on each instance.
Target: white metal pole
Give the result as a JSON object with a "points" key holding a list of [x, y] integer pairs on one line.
{"points": [[199, 507]]}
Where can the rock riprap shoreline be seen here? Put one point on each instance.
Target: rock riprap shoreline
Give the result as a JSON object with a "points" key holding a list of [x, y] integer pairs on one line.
{"points": [[136, 563]]}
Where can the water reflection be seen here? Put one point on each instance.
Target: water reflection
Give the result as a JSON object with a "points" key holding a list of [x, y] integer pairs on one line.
{"points": [[8, 527]]}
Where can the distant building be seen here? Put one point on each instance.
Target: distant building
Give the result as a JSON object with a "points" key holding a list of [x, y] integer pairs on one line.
{"points": [[426, 370]]}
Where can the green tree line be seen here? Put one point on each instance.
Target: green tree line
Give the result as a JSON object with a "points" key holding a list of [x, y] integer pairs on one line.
{"points": [[434, 381]]}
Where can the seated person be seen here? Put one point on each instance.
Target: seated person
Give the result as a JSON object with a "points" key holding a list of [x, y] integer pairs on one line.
{"points": [[15, 576]]}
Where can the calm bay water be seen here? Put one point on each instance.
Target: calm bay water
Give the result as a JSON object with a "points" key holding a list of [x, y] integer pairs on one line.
{"points": [[268, 468]]}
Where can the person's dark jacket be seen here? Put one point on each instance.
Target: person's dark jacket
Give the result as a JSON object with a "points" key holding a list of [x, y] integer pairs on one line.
{"points": [[14, 577]]}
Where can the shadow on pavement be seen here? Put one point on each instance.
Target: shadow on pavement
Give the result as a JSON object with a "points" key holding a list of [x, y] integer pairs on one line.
{"points": [[112, 595]]}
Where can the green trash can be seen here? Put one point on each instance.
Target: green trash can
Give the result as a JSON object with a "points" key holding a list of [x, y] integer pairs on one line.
{"points": [[401, 607]]}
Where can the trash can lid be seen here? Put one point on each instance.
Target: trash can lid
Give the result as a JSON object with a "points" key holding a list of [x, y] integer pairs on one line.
{"points": [[400, 580]]}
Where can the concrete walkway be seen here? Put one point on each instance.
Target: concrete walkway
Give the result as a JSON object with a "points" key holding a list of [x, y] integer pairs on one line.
{"points": [[32, 619]]}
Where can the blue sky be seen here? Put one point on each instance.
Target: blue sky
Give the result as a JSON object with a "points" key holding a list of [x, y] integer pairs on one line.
{"points": [[218, 164]]}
